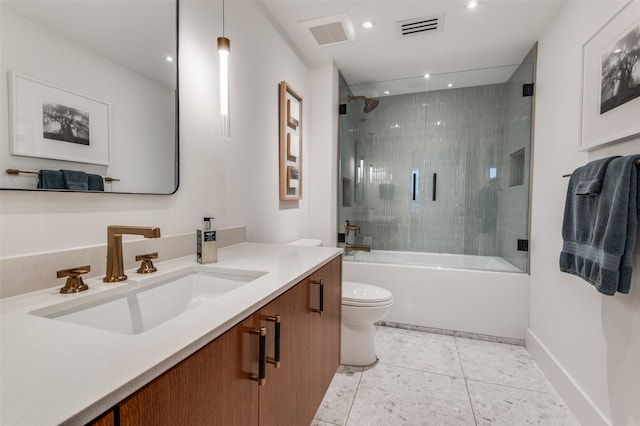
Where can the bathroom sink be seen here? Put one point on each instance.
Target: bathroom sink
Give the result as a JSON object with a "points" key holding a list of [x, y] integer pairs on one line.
{"points": [[138, 307]]}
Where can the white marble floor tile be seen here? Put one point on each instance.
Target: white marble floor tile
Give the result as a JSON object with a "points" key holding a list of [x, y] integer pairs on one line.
{"points": [[502, 364], [418, 350], [390, 395], [508, 406], [337, 401]]}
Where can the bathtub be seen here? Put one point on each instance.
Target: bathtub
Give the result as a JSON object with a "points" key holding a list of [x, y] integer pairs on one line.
{"points": [[476, 295]]}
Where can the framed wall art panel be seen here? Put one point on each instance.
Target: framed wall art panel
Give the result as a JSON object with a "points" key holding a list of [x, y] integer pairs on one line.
{"points": [[290, 143], [611, 80]]}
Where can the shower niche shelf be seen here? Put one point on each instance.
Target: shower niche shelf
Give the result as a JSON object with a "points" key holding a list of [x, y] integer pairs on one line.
{"points": [[516, 170]]}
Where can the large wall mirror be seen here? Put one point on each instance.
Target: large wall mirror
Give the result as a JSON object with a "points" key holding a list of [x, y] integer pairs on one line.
{"points": [[89, 95]]}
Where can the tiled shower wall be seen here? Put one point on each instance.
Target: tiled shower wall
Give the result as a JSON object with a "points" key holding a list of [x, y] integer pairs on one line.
{"points": [[467, 138], [456, 134]]}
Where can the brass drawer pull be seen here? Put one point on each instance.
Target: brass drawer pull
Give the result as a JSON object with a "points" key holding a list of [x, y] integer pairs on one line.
{"points": [[276, 338], [261, 378]]}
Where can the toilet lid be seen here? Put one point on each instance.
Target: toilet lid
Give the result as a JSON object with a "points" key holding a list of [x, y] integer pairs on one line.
{"points": [[359, 294]]}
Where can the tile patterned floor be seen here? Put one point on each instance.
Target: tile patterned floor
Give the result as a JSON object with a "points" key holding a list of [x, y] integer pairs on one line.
{"points": [[431, 379]]}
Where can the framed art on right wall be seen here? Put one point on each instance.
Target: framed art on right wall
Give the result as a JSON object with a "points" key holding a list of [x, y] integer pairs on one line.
{"points": [[611, 80]]}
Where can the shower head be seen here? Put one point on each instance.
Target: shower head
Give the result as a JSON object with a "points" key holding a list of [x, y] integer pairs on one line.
{"points": [[369, 103]]}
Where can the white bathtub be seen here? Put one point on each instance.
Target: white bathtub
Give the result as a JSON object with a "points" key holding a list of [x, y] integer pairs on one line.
{"points": [[433, 260], [448, 292]]}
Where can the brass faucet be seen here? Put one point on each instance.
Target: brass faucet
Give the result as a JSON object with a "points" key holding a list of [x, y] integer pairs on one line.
{"points": [[115, 265]]}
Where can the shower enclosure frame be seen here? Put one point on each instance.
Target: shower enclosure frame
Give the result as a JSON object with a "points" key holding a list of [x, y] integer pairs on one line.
{"points": [[422, 183]]}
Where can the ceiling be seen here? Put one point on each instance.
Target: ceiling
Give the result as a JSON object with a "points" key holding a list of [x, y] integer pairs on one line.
{"points": [[113, 29], [495, 33]]}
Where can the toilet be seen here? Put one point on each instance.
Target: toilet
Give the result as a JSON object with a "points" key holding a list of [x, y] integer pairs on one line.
{"points": [[362, 305]]}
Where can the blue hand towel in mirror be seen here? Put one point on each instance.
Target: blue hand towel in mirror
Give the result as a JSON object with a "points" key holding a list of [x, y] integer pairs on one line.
{"points": [[51, 179], [76, 180], [96, 182]]}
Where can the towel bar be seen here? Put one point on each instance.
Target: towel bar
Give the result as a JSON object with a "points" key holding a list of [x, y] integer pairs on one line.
{"points": [[569, 174], [16, 172]]}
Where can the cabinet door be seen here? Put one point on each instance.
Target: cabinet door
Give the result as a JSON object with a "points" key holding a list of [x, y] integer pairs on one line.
{"points": [[284, 398], [211, 387], [325, 345], [309, 348]]}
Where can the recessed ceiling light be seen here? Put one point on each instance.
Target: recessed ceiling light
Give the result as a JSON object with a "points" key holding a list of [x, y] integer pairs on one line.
{"points": [[427, 75], [386, 92], [472, 4], [368, 24], [450, 85], [617, 50], [168, 58]]}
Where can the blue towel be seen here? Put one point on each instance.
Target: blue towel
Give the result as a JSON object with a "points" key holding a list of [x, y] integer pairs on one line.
{"points": [[51, 179], [600, 223], [591, 177], [76, 180], [96, 183]]}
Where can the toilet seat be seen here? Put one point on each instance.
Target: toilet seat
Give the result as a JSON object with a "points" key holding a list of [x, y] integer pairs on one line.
{"points": [[365, 295]]}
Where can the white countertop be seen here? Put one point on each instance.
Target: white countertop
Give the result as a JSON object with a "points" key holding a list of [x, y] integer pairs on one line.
{"points": [[55, 372]]}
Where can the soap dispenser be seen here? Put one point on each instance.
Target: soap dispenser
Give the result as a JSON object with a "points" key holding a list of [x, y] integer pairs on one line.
{"points": [[207, 251]]}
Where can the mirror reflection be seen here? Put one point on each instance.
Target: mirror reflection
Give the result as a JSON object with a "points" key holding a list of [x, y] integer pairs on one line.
{"points": [[89, 96]]}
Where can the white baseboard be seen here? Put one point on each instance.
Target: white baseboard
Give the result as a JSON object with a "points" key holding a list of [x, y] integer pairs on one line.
{"points": [[578, 401]]}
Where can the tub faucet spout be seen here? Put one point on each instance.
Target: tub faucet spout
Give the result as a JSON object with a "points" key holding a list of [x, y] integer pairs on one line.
{"points": [[115, 264], [352, 247]]}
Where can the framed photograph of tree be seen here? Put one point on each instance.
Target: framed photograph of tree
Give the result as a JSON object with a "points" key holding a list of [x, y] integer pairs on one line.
{"points": [[51, 122], [611, 80]]}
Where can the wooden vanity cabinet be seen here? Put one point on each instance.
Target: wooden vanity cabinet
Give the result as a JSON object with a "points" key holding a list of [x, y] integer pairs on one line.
{"points": [[325, 356], [213, 386], [107, 419], [208, 388]]}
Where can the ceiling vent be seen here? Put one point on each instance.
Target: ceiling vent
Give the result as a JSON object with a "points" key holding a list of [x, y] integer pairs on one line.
{"points": [[429, 24], [330, 30]]}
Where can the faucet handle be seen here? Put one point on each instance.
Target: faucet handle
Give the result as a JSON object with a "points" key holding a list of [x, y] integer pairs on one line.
{"points": [[74, 282], [146, 267]]}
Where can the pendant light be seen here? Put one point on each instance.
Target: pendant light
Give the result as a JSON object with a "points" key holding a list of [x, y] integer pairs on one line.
{"points": [[224, 48]]}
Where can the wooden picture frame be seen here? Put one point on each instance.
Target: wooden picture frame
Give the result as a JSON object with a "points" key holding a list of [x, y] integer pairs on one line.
{"points": [[290, 143], [610, 114]]}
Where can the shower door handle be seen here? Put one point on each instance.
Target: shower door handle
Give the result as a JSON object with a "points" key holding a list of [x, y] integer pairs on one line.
{"points": [[415, 175], [435, 180]]}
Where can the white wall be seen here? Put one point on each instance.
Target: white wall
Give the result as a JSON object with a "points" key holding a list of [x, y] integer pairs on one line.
{"points": [[323, 151], [237, 181], [588, 343]]}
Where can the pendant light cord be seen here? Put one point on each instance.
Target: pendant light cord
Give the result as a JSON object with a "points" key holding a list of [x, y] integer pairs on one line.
{"points": [[222, 18]]}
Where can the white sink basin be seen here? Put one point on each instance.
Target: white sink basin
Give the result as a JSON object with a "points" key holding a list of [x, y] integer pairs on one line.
{"points": [[136, 308]]}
